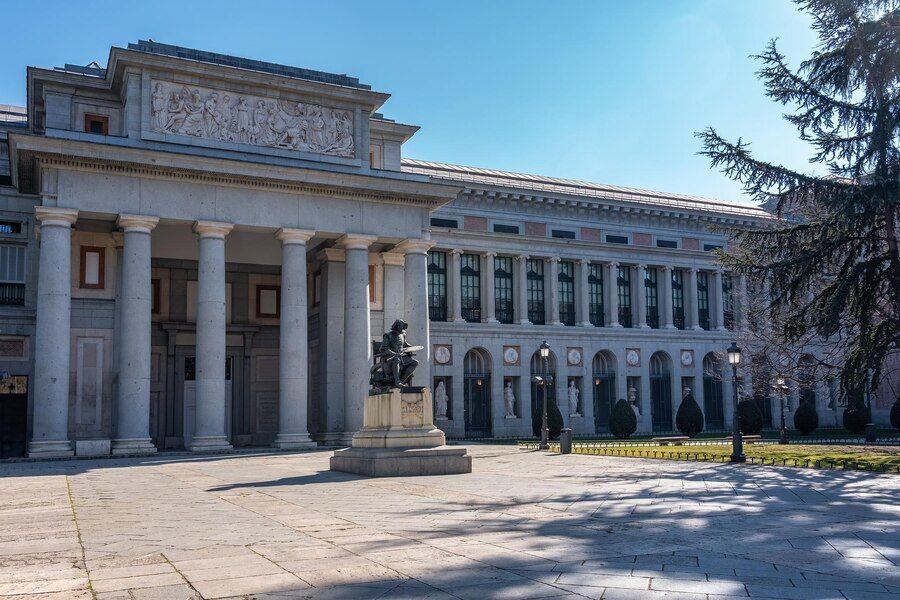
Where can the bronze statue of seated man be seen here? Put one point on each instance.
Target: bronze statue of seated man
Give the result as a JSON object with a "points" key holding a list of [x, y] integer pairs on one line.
{"points": [[397, 363]]}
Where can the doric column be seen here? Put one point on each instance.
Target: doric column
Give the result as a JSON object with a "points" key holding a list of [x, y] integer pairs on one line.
{"points": [[521, 283], [584, 295], [612, 294], [487, 286], [393, 286], [133, 418], [50, 423], [552, 273], [641, 292], [691, 299], [416, 304], [455, 286], [717, 302], [357, 335], [293, 363], [664, 281], [210, 431]]}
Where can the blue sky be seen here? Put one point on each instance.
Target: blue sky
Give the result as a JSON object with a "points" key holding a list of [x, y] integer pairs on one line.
{"points": [[607, 91]]}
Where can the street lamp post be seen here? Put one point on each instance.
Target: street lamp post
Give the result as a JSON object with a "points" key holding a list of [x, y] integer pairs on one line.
{"points": [[737, 442], [545, 428], [781, 388]]}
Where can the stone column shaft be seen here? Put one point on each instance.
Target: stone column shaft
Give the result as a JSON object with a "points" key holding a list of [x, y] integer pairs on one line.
{"points": [[210, 431], [641, 300], [416, 306], [612, 294], [454, 276], [584, 294], [293, 362], [553, 276], [717, 302], [691, 299], [521, 283], [50, 424], [489, 300], [133, 415], [394, 296], [741, 302], [664, 281]]}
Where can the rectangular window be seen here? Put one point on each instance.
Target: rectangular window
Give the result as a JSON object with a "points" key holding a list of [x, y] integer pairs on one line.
{"points": [[563, 234], [156, 301], [652, 297], [678, 298], [470, 287], [437, 286], [503, 289], [12, 275], [315, 293], [595, 295], [535, 289], [727, 301], [449, 223], [566, 283], [96, 124], [268, 301], [624, 292], [500, 228], [10, 227], [666, 244], [93, 268], [703, 299], [711, 247], [617, 239]]}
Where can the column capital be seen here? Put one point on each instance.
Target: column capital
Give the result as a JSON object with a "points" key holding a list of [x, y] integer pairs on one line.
{"points": [[584, 261], [414, 246], [457, 251], [522, 257], [490, 254], [666, 268], [51, 215], [212, 229], [552, 259], [137, 223], [394, 259], [614, 264], [356, 241], [694, 270], [294, 236], [641, 266]]}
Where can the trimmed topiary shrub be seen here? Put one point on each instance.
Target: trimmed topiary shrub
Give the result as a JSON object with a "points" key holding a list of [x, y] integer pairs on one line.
{"points": [[554, 419], [806, 419], [622, 420], [751, 417], [856, 417], [689, 418]]}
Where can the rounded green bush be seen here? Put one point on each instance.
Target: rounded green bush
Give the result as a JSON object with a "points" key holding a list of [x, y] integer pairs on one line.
{"points": [[806, 419], [554, 420], [856, 417], [622, 420], [689, 418], [895, 414], [751, 417]]}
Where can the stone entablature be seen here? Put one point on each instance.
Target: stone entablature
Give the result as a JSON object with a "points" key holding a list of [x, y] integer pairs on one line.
{"points": [[206, 113]]}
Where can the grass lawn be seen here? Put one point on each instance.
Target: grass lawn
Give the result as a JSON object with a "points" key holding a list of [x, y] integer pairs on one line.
{"points": [[886, 458]]}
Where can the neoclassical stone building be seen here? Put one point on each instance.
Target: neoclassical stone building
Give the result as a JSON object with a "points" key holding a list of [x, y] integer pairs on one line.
{"points": [[197, 251]]}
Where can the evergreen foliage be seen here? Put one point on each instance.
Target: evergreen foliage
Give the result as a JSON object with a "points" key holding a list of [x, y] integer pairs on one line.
{"points": [[832, 264], [689, 418], [622, 420], [554, 419], [751, 417], [806, 419], [856, 415], [895, 414]]}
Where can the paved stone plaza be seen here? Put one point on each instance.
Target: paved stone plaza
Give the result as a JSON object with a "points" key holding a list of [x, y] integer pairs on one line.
{"points": [[522, 525]]}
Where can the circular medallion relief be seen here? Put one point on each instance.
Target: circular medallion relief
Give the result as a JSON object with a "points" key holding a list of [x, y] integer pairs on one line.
{"points": [[510, 356], [633, 358], [574, 356], [687, 359], [442, 355]]}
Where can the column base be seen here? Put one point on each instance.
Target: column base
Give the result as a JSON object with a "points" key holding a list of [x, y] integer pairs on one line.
{"points": [[293, 441], [523, 322], [555, 323], [209, 443], [644, 326], [585, 324], [721, 328], [491, 321], [615, 325], [50, 449], [696, 328], [133, 446], [669, 326], [457, 320]]}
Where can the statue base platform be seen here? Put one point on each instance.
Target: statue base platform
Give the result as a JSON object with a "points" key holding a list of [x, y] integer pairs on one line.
{"points": [[398, 438]]}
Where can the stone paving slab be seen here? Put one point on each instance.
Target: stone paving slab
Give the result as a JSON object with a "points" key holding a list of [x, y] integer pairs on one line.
{"points": [[522, 525]]}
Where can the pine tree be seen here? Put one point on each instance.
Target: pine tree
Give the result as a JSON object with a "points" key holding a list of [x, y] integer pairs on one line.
{"points": [[833, 266]]}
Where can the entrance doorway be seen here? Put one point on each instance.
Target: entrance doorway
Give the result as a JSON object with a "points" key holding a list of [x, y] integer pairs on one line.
{"points": [[604, 389], [713, 406], [477, 393], [186, 387], [13, 416], [661, 392]]}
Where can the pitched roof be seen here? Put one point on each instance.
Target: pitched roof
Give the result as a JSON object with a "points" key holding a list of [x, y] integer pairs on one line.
{"points": [[555, 185]]}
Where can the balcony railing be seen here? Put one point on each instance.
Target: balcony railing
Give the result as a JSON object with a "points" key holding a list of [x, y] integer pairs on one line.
{"points": [[12, 294]]}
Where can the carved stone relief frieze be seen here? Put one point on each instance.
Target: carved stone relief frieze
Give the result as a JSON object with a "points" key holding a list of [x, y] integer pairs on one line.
{"points": [[200, 112]]}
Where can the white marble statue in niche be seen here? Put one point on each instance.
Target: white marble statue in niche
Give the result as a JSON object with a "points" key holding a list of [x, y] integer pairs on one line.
{"points": [[509, 400], [633, 401], [440, 400], [573, 399], [200, 112]]}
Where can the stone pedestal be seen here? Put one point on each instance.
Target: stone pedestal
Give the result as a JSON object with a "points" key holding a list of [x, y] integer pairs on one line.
{"points": [[398, 438]]}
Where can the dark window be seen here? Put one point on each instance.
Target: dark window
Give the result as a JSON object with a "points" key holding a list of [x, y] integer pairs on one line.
{"points": [[711, 247], [535, 289], [503, 289], [498, 228], [678, 298], [470, 274], [156, 302], [624, 291], [96, 124], [566, 282], [450, 223], [595, 295], [617, 239], [10, 227], [437, 286], [12, 275], [727, 301], [652, 297], [703, 299], [562, 233], [666, 244]]}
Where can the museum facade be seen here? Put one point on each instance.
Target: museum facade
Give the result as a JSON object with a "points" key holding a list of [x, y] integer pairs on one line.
{"points": [[198, 251]]}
